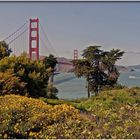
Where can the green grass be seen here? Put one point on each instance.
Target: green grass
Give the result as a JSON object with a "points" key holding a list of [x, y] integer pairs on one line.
{"points": [[73, 102], [57, 101], [111, 98], [106, 99]]}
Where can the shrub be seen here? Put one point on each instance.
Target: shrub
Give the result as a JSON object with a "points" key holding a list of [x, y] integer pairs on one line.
{"points": [[33, 73], [4, 50], [23, 117], [9, 83]]}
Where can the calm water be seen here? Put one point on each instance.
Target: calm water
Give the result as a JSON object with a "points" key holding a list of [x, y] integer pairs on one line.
{"points": [[71, 87]]}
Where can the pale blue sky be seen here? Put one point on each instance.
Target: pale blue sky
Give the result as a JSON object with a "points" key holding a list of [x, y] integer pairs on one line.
{"points": [[71, 25]]}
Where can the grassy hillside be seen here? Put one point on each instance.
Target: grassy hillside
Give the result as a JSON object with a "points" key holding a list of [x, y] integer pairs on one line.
{"points": [[112, 114], [116, 112], [111, 98]]}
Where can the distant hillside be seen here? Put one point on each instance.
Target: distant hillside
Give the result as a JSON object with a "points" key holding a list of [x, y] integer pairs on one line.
{"points": [[68, 66], [65, 65], [134, 67], [122, 68], [64, 60], [128, 68]]}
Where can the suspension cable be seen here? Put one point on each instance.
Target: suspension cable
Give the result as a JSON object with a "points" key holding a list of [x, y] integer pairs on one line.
{"points": [[43, 42], [133, 52], [15, 31], [18, 36], [48, 40]]}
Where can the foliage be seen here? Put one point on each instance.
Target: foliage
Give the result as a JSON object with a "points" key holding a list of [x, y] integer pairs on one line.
{"points": [[109, 99], [33, 73], [117, 111], [58, 101], [106, 124], [115, 86], [51, 91], [4, 50], [50, 61], [9, 83], [23, 117], [98, 67]]}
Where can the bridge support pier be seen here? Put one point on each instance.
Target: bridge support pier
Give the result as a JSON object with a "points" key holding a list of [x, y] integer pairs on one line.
{"points": [[34, 38], [75, 54]]}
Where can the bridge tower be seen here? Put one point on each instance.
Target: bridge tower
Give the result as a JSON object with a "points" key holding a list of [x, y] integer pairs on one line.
{"points": [[34, 38], [75, 54]]}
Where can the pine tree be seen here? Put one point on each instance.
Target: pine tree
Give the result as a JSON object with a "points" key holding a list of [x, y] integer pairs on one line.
{"points": [[98, 67]]}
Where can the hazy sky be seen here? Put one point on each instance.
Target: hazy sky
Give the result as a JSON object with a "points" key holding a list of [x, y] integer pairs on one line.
{"points": [[71, 25]]}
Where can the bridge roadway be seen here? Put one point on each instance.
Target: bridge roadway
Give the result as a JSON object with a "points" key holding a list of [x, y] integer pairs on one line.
{"points": [[69, 86], [61, 79], [65, 63]]}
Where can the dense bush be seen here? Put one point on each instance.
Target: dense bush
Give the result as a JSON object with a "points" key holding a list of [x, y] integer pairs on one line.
{"points": [[23, 117], [9, 84], [33, 74], [4, 50]]}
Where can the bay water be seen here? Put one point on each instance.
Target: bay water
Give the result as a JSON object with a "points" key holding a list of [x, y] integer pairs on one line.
{"points": [[71, 87]]}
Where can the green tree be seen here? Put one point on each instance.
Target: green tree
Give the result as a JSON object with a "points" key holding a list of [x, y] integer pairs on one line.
{"points": [[33, 73], [108, 62], [98, 67], [4, 50], [50, 62]]}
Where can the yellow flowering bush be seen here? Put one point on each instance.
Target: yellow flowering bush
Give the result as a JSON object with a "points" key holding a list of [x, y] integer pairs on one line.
{"points": [[22, 117], [9, 83]]}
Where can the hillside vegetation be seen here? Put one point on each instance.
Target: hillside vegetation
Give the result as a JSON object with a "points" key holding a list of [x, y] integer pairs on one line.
{"points": [[111, 114], [110, 99]]}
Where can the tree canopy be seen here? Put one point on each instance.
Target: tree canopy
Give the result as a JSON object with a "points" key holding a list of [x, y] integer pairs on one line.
{"points": [[20, 75], [98, 67], [50, 61], [32, 73], [4, 50]]}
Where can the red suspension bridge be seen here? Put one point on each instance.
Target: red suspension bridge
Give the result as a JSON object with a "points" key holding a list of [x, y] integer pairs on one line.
{"points": [[32, 39]]}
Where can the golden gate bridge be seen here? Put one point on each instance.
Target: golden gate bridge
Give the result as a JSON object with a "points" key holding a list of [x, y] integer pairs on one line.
{"points": [[31, 38]]}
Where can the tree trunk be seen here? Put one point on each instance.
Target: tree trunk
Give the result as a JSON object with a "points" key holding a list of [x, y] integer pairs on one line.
{"points": [[51, 78], [88, 91]]}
